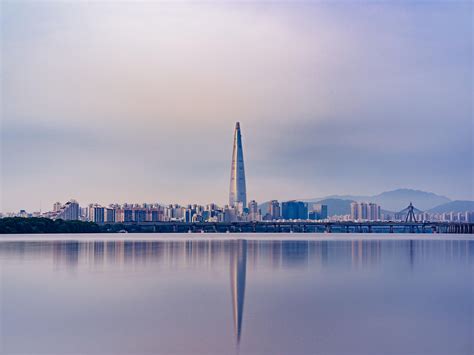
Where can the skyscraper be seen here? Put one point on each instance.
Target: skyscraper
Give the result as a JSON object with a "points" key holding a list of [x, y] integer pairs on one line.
{"points": [[96, 213], [294, 210], [319, 211], [275, 210], [238, 193], [69, 211], [363, 211], [354, 211], [373, 212], [57, 206], [254, 212]]}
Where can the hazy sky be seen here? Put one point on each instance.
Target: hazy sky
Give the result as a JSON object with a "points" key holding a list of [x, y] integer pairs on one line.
{"points": [[136, 101]]}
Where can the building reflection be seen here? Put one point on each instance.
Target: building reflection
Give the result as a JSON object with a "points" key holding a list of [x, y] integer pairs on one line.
{"points": [[293, 255], [352, 254], [238, 268]]}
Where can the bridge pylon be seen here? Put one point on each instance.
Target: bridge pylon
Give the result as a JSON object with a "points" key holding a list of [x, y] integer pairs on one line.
{"points": [[411, 214]]}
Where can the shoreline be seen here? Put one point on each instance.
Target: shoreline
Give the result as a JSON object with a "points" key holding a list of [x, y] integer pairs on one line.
{"points": [[232, 236]]}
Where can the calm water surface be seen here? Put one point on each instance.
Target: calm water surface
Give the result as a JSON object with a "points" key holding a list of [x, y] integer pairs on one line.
{"points": [[184, 295]]}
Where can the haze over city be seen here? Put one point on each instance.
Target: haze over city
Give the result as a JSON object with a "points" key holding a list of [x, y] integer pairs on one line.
{"points": [[116, 102]]}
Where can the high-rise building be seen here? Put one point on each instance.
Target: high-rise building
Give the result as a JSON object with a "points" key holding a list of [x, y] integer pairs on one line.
{"points": [[57, 206], [254, 212], [188, 215], [238, 193], [313, 215], [84, 213], [354, 211], [155, 214], [96, 213], [373, 212], [274, 209], [469, 216], [319, 211], [69, 211], [109, 215], [294, 210], [228, 215], [139, 215], [363, 211]]}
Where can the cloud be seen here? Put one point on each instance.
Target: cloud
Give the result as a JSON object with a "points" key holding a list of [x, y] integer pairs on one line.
{"points": [[332, 98]]}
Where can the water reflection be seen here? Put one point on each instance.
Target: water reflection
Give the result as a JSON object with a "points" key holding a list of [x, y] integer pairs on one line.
{"points": [[205, 253], [314, 262], [238, 268]]}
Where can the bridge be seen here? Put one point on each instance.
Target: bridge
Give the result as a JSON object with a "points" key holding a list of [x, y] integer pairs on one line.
{"points": [[293, 227]]}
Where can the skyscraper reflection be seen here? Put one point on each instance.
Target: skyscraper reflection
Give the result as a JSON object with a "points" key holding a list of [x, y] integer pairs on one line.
{"points": [[165, 262], [294, 254], [172, 296], [238, 268]]}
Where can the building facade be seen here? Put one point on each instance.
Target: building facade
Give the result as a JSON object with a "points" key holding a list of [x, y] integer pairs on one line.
{"points": [[294, 210], [70, 211], [238, 191], [318, 212], [274, 209], [363, 211], [254, 212]]}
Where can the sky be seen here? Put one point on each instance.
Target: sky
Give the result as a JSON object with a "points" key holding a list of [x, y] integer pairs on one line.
{"points": [[113, 102]]}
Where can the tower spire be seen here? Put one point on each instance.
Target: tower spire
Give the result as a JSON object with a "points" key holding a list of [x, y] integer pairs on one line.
{"points": [[238, 193]]}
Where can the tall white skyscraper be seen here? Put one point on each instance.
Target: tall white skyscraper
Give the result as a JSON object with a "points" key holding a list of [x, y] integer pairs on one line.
{"points": [[238, 192]]}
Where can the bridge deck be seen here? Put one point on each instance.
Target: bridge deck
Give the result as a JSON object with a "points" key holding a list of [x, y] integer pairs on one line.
{"points": [[294, 226]]}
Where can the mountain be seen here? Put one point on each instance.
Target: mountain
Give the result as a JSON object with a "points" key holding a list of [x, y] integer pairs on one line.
{"points": [[336, 206], [339, 197], [389, 201], [454, 206], [396, 200]]}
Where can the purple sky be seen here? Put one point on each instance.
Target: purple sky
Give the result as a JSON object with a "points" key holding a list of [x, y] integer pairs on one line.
{"points": [[115, 102]]}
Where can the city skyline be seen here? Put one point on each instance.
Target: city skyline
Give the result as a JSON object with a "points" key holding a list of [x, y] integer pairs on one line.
{"points": [[114, 102], [274, 211], [236, 210]]}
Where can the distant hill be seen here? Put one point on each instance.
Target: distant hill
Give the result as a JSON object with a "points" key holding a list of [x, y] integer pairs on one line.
{"points": [[336, 206], [454, 206], [389, 201], [339, 197], [396, 200], [399, 199]]}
